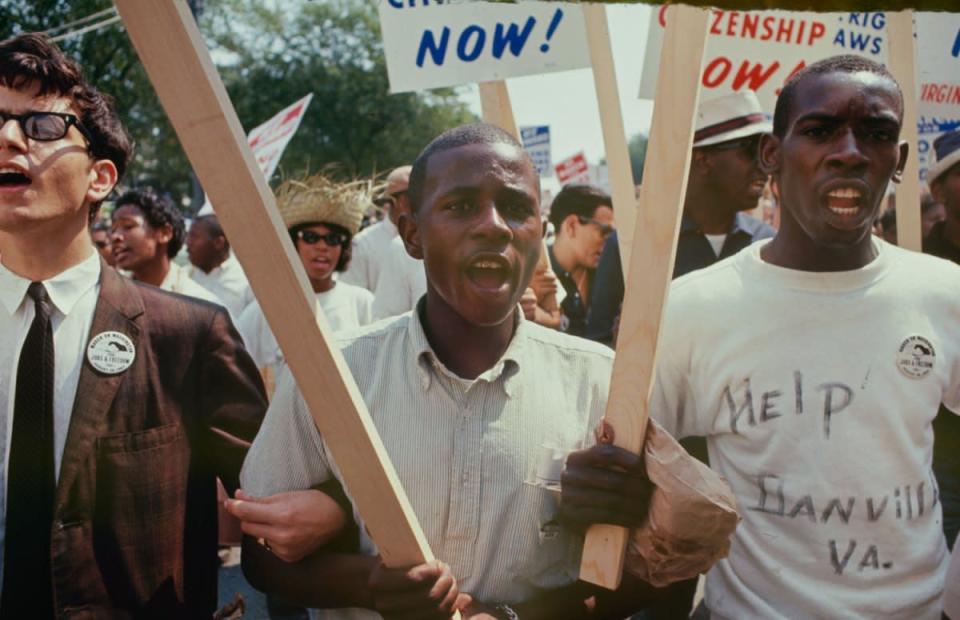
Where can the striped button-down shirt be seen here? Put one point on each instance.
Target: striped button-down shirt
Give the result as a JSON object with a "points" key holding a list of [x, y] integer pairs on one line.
{"points": [[476, 458]]}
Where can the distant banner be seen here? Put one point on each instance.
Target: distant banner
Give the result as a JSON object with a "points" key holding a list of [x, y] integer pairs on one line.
{"points": [[536, 140], [430, 44], [760, 50], [938, 62], [573, 169], [268, 140]]}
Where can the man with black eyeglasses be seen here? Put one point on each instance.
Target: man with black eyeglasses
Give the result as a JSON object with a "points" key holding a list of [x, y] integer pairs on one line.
{"points": [[725, 180], [120, 404], [582, 217]]}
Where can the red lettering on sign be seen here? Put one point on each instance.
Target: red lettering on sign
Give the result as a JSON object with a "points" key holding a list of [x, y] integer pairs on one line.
{"points": [[756, 75], [717, 71]]}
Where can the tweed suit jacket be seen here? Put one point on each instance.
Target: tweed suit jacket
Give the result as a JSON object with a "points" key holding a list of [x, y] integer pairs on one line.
{"points": [[135, 522]]}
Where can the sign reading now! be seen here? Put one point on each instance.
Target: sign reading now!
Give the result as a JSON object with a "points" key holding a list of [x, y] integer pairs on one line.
{"points": [[430, 44], [760, 50]]}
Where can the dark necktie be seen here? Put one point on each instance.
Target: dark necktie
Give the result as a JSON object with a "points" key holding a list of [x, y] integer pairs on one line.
{"points": [[27, 582]]}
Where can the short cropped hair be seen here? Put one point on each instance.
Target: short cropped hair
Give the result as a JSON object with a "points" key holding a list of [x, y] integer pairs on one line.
{"points": [[475, 133], [577, 199], [158, 211], [346, 250], [32, 59], [846, 63]]}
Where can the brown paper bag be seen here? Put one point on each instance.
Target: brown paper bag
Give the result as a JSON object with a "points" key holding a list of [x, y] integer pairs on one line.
{"points": [[692, 515]]}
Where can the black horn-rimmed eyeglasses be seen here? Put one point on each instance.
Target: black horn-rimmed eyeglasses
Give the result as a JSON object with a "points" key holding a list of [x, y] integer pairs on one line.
{"points": [[45, 126]]}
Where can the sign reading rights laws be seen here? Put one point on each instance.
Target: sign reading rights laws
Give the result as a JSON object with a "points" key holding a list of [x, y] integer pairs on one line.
{"points": [[760, 50], [430, 43]]}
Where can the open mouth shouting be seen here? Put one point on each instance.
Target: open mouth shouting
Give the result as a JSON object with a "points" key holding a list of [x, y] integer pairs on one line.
{"points": [[489, 272], [844, 201], [13, 178]]}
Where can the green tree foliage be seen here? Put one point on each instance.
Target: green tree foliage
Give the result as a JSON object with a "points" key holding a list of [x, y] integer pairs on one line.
{"points": [[637, 146], [269, 55], [272, 54]]}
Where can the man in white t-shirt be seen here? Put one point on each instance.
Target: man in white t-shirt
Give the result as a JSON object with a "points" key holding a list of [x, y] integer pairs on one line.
{"points": [[818, 408]]}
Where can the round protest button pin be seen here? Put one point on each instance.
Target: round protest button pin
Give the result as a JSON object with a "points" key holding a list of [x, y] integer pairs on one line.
{"points": [[111, 352]]}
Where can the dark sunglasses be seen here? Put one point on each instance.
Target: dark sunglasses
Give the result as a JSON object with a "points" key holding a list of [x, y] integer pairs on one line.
{"points": [[101, 244], [45, 126], [332, 239], [605, 229], [749, 146]]}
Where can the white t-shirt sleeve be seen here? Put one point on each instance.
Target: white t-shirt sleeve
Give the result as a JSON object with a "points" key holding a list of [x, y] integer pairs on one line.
{"points": [[671, 402], [364, 301], [287, 453]]}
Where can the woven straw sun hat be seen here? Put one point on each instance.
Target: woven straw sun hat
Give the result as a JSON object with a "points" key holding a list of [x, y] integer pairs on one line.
{"points": [[318, 199]]}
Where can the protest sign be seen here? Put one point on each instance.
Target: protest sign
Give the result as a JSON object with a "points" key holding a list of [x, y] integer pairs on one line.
{"points": [[760, 50], [268, 140], [536, 140], [430, 45], [573, 169], [938, 63]]}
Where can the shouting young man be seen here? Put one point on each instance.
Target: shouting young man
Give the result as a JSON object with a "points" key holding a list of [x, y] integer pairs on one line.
{"points": [[818, 408], [465, 395], [120, 404]]}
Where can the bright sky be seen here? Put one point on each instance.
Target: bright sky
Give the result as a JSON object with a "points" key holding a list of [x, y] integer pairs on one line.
{"points": [[567, 101]]}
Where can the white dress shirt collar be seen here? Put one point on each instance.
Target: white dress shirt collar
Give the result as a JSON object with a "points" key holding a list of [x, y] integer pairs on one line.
{"points": [[64, 289]]}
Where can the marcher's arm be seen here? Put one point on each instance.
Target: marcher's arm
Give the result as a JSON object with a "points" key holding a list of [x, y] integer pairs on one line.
{"points": [[330, 580], [232, 401]]}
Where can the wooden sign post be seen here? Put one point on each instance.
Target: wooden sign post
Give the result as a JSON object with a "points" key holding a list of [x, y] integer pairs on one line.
{"points": [[622, 188], [187, 84], [901, 51], [495, 106], [651, 261]]}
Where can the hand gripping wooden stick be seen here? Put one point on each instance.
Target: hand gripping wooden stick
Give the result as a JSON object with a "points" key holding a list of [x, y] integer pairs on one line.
{"points": [[186, 81], [651, 262]]}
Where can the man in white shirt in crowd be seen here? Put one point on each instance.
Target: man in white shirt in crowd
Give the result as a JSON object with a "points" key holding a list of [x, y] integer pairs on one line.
{"points": [[465, 396], [815, 363], [214, 267], [147, 232], [370, 246]]}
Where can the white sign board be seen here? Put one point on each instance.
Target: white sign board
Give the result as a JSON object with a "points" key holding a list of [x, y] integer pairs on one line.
{"points": [[268, 140], [536, 140], [760, 50], [938, 63], [430, 45]]}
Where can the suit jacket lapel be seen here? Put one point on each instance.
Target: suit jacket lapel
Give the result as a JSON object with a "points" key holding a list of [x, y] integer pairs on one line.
{"points": [[118, 305]]}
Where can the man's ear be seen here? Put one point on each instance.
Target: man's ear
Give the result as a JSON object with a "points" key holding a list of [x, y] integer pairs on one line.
{"points": [[569, 225], [102, 177], [936, 190], [902, 163], [409, 230], [700, 161], [769, 154]]}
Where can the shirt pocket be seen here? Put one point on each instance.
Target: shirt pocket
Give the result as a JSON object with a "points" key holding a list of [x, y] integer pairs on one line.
{"points": [[545, 555], [140, 509]]}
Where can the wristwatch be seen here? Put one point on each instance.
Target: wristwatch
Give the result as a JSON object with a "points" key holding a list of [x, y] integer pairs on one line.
{"points": [[507, 612]]}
